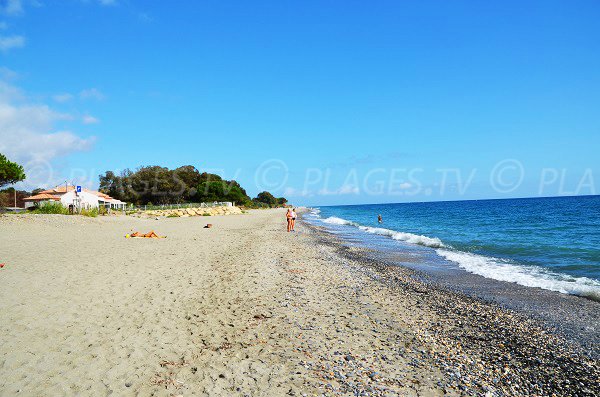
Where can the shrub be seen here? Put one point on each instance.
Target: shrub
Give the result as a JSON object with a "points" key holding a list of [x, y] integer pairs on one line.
{"points": [[92, 212], [51, 208]]}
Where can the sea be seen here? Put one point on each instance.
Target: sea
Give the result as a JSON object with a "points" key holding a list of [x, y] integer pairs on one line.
{"points": [[546, 243]]}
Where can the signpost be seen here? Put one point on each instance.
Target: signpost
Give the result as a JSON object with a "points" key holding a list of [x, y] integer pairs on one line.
{"points": [[77, 200]]}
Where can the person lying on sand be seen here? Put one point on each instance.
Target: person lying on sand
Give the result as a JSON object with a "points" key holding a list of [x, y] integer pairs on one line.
{"points": [[150, 234]]}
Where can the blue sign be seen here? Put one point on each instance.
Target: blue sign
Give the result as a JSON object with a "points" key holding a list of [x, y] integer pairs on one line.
{"points": [[78, 189]]}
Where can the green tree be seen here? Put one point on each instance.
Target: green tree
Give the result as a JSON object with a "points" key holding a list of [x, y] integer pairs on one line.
{"points": [[156, 184], [209, 191], [160, 185], [189, 178], [10, 172], [236, 193], [221, 191], [267, 198]]}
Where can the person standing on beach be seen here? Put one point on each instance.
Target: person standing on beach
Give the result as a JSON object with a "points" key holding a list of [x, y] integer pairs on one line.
{"points": [[288, 216], [293, 219]]}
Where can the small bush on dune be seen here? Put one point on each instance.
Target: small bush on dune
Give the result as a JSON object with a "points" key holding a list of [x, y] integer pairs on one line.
{"points": [[92, 212], [58, 208], [51, 208]]}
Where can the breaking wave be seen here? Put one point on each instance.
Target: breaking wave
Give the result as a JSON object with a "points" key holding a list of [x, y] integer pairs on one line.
{"points": [[334, 220], [529, 276], [489, 267], [402, 236]]}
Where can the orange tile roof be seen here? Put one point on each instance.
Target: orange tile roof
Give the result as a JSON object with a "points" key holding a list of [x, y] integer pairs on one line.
{"points": [[59, 189], [99, 194], [63, 189], [42, 196]]}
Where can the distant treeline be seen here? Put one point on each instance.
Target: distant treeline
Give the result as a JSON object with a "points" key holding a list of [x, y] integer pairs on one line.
{"points": [[160, 185], [7, 197]]}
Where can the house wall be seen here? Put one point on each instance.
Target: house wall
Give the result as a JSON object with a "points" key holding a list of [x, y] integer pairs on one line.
{"points": [[88, 200], [29, 204]]}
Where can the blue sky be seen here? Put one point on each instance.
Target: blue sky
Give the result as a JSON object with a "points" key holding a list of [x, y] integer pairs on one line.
{"points": [[327, 102]]}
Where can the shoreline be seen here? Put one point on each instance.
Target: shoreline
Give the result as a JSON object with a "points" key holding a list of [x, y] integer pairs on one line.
{"points": [[245, 308], [528, 244], [518, 326], [574, 317]]}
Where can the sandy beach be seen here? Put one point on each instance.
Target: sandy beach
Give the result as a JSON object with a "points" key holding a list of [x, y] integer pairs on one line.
{"points": [[244, 308]]}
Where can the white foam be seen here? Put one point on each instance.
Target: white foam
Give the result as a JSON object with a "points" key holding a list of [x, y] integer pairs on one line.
{"points": [[489, 267], [529, 276], [402, 236], [334, 220]]}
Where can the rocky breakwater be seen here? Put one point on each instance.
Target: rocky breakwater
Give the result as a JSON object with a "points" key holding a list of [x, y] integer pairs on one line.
{"points": [[199, 211]]}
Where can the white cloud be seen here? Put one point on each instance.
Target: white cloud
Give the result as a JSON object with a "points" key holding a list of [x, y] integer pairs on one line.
{"points": [[145, 17], [91, 93], [10, 42], [344, 189], [8, 74], [62, 98], [291, 192], [28, 135], [9, 93], [12, 7], [87, 119], [348, 189]]}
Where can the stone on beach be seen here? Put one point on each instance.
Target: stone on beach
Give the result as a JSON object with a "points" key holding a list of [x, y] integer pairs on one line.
{"points": [[194, 211]]}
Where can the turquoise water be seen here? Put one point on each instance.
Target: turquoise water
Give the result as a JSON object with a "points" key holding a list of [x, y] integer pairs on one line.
{"points": [[550, 243]]}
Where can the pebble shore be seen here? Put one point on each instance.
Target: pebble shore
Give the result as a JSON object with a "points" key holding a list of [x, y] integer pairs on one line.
{"points": [[481, 348]]}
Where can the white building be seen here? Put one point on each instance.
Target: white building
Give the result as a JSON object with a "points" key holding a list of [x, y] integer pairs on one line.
{"points": [[70, 197]]}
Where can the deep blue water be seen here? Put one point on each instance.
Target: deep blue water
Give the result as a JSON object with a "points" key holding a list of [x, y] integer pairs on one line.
{"points": [[551, 243]]}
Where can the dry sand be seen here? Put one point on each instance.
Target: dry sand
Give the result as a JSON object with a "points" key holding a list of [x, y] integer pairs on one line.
{"points": [[242, 308]]}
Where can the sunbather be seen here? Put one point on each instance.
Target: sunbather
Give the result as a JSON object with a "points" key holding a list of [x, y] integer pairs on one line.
{"points": [[150, 234]]}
